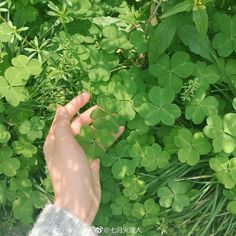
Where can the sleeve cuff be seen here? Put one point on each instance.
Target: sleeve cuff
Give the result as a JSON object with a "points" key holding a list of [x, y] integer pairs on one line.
{"points": [[54, 221]]}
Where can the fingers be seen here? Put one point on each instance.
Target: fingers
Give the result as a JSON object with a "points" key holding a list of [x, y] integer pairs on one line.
{"points": [[75, 104], [61, 126], [82, 119]]}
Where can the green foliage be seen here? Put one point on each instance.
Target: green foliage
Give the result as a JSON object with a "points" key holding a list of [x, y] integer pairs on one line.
{"points": [[191, 146], [225, 170], [163, 69], [174, 195], [221, 131]]}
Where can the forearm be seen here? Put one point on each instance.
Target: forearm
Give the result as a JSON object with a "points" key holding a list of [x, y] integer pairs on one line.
{"points": [[54, 221]]}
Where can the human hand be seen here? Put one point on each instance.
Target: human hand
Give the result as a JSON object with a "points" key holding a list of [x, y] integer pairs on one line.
{"points": [[75, 179]]}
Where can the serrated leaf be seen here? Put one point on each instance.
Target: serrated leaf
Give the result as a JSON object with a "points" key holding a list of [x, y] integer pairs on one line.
{"points": [[161, 39]]}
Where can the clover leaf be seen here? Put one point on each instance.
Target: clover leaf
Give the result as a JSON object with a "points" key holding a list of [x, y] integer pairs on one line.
{"points": [[24, 147], [32, 128], [152, 210], [4, 134], [8, 165], [94, 142], [121, 99], [15, 78], [134, 188], [225, 170], [154, 157], [104, 120], [137, 38], [222, 132], [174, 195], [191, 146], [170, 71], [121, 205], [124, 90], [231, 195], [200, 107], [206, 74], [147, 212], [225, 40], [13, 90], [120, 160], [103, 64], [24, 203], [114, 39], [234, 103], [160, 108], [32, 66], [6, 32]]}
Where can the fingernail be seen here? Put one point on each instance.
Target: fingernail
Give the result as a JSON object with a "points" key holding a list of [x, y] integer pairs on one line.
{"points": [[86, 93]]}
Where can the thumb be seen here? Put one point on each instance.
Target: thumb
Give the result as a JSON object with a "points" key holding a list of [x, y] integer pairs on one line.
{"points": [[61, 127]]}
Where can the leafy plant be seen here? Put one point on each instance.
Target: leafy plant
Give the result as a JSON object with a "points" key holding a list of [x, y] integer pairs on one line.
{"points": [[163, 69]]}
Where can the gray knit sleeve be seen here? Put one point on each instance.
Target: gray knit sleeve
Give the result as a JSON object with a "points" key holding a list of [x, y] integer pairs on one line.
{"points": [[54, 221]]}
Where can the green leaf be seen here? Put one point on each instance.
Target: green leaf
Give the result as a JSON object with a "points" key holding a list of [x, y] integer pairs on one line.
{"points": [[229, 124], [98, 73], [161, 109], [175, 195], [8, 165], [114, 39], [138, 210], [234, 103], [171, 71], [34, 67], [196, 43], [225, 170], [200, 107], [6, 32], [200, 18], [206, 75], [23, 210], [191, 146], [231, 207], [154, 157], [225, 41], [161, 39], [134, 188], [94, 142], [138, 39], [217, 129], [4, 134], [24, 147], [183, 6]]}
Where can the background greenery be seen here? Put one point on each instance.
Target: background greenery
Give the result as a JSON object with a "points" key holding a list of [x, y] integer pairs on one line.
{"points": [[165, 69]]}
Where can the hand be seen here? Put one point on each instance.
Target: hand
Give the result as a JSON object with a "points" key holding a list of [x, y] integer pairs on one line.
{"points": [[75, 179]]}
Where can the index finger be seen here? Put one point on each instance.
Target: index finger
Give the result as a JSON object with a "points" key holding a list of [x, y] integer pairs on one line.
{"points": [[76, 103]]}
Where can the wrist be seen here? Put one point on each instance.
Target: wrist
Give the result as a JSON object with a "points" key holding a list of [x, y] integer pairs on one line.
{"points": [[74, 209]]}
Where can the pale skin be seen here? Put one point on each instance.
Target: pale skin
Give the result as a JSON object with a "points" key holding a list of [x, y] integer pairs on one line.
{"points": [[75, 179]]}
